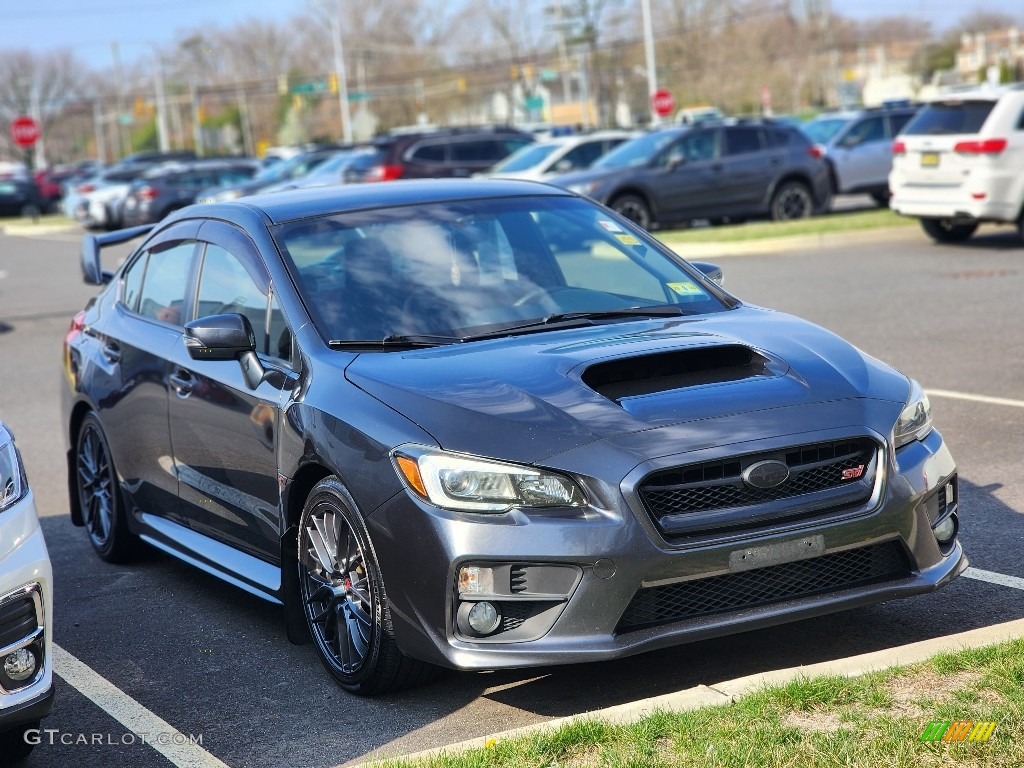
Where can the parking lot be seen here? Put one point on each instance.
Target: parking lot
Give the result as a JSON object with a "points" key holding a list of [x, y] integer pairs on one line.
{"points": [[162, 646]]}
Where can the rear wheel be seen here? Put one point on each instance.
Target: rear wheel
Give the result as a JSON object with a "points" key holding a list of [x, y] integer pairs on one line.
{"points": [[343, 597], [792, 200], [99, 497], [946, 231], [634, 208]]}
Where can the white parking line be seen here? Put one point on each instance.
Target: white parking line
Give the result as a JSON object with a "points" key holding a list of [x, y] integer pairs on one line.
{"points": [[994, 578], [179, 748], [975, 398]]}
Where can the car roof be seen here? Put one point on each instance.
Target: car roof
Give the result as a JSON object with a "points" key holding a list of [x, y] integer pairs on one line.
{"points": [[983, 92], [296, 204]]}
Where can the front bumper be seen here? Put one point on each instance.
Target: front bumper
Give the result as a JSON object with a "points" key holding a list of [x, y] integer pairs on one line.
{"points": [[617, 552], [26, 577]]}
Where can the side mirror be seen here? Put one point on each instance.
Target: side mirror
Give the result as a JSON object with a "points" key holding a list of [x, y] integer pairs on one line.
{"points": [[230, 337], [711, 271]]}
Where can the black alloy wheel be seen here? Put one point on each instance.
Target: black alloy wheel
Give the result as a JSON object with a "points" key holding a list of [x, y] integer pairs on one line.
{"points": [[792, 200], [634, 208], [946, 231], [98, 495], [343, 597]]}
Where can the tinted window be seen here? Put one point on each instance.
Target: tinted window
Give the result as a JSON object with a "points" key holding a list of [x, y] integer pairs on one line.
{"points": [[1020, 121], [695, 146], [508, 146], [133, 282], [742, 140], [583, 155], [779, 138], [823, 130], [639, 151], [527, 157], [898, 121], [868, 130], [429, 153], [163, 288], [485, 151], [225, 286], [950, 117]]}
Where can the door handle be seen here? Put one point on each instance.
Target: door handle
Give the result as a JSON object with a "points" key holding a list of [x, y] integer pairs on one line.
{"points": [[112, 353], [182, 382]]}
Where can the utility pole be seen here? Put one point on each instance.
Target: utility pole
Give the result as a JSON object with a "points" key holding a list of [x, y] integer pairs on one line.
{"points": [[563, 56], [339, 68], [40, 149], [584, 89], [197, 126], [97, 122], [125, 141], [161, 117], [652, 71]]}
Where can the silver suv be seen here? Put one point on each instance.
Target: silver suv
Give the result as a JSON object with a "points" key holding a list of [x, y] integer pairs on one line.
{"points": [[960, 162], [857, 146]]}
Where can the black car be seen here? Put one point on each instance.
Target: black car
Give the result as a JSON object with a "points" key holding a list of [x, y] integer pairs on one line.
{"points": [[20, 197], [713, 170], [487, 424], [451, 152], [167, 188]]}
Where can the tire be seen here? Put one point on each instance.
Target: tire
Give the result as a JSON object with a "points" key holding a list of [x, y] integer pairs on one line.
{"points": [[945, 231], [343, 598], [99, 495], [13, 747], [634, 208], [792, 200]]}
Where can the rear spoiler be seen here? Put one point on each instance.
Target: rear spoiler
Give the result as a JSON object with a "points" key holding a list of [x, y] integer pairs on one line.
{"points": [[92, 272]]}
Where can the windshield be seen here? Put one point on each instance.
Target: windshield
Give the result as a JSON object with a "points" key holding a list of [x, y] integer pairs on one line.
{"points": [[331, 166], [639, 151], [526, 158], [823, 130], [466, 268], [950, 118]]}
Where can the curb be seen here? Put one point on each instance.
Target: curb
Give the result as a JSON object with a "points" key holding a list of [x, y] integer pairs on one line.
{"points": [[727, 692], [38, 230], [785, 244]]}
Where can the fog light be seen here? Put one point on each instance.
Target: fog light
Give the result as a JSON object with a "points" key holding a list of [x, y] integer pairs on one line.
{"points": [[483, 618], [476, 580], [946, 530], [20, 665]]}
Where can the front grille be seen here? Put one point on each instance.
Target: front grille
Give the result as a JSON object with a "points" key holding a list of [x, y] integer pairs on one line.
{"points": [[712, 486], [652, 606], [17, 620]]}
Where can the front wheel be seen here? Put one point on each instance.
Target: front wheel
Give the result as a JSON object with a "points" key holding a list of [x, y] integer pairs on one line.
{"points": [[634, 208], [99, 496], [792, 200], [343, 597], [946, 231]]}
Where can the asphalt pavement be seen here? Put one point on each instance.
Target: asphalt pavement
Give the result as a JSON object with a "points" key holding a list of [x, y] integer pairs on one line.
{"points": [[212, 662]]}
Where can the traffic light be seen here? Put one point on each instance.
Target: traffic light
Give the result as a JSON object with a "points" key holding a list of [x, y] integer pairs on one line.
{"points": [[332, 82], [461, 85]]}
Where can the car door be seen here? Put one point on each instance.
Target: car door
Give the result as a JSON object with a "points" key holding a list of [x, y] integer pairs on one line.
{"points": [[863, 155], [223, 433], [134, 344], [749, 167], [687, 177]]}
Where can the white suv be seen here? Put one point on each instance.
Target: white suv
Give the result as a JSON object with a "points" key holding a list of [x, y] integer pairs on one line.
{"points": [[960, 162], [26, 610]]}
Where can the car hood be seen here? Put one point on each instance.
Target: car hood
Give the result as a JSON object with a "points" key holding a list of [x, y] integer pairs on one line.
{"points": [[529, 397]]}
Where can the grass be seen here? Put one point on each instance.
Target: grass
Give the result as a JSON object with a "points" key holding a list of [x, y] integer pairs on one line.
{"points": [[837, 222], [822, 722]]}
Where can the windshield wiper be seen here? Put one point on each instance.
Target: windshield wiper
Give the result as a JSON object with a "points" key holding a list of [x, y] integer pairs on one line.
{"points": [[575, 319], [408, 341]]}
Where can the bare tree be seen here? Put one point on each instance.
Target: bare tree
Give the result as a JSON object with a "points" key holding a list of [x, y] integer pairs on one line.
{"points": [[39, 85]]}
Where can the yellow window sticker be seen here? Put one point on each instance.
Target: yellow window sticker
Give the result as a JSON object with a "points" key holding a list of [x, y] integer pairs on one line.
{"points": [[627, 240], [685, 288]]}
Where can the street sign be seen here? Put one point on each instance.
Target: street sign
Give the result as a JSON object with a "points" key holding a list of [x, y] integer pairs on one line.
{"points": [[24, 131], [317, 86], [664, 102], [358, 96], [534, 103]]}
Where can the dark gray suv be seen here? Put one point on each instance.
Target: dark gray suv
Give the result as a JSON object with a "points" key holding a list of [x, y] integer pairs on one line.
{"points": [[715, 171]]}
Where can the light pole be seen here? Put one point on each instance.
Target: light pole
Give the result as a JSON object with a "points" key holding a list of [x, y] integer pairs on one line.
{"points": [[339, 68], [652, 72]]}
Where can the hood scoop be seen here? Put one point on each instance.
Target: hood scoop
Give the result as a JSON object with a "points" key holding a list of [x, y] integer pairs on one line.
{"points": [[628, 377]]}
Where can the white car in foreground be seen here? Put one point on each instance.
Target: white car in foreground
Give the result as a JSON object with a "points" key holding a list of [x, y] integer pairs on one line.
{"points": [[960, 162], [26, 610], [542, 160]]}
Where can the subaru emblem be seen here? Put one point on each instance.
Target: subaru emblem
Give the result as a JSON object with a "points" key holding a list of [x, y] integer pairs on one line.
{"points": [[766, 474]]}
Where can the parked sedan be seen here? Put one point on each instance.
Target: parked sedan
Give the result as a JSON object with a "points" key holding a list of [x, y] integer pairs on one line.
{"points": [[26, 610], [487, 425], [717, 171], [166, 188], [20, 197]]}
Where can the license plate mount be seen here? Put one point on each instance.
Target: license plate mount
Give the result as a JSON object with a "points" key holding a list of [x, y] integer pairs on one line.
{"points": [[775, 554]]}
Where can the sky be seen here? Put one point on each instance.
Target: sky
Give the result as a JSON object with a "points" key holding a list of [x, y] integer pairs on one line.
{"points": [[89, 27]]}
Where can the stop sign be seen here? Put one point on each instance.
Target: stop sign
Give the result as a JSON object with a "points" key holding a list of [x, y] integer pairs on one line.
{"points": [[663, 102], [24, 131]]}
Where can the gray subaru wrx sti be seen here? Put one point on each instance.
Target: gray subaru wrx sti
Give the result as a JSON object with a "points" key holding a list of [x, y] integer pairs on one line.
{"points": [[487, 424]]}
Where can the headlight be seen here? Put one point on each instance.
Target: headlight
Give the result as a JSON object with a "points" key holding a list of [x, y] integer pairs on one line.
{"points": [[915, 422], [466, 483], [584, 189], [12, 486]]}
